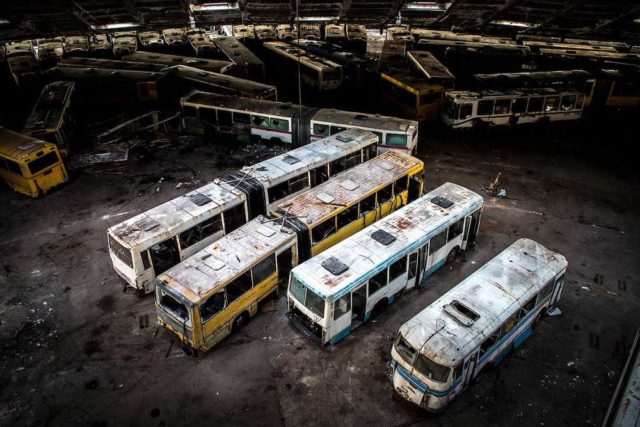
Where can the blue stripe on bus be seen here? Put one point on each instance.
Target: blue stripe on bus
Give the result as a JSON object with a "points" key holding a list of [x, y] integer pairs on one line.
{"points": [[340, 335], [434, 267], [423, 388]]}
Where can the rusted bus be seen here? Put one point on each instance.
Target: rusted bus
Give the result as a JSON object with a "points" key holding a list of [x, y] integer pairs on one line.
{"points": [[215, 292], [124, 42], [51, 119], [167, 60], [200, 42], [624, 410], [336, 291], [439, 352], [352, 200], [247, 64]]}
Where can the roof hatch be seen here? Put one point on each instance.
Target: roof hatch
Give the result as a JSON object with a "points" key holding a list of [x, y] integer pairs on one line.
{"points": [[199, 199], [334, 266], [343, 138], [290, 160], [443, 202], [383, 237], [461, 313], [349, 184], [324, 197], [147, 224]]}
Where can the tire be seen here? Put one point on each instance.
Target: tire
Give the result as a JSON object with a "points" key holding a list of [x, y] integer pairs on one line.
{"points": [[378, 308], [276, 141], [240, 321], [453, 253]]}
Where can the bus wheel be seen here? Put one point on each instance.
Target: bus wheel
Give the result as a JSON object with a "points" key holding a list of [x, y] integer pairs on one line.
{"points": [[276, 141], [240, 321], [452, 254], [378, 308], [255, 139]]}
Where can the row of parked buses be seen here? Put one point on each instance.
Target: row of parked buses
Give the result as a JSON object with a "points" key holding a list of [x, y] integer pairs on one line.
{"points": [[350, 232]]}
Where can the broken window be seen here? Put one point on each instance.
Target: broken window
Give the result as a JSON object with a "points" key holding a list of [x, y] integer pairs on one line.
{"points": [[279, 124], [337, 129], [353, 160], [485, 108], [212, 306], [568, 102], [438, 242], [342, 306], [545, 292], [208, 115], [519, 105], [401, 185], [234, 217], [372, 150], [238, 287], [488, 344], [502, 106], [278, 191], [413, 264], [320, 130], [298, 183], [323, 230], [398, 268], [174, 307], [120, 251], [465, 111], [431, 369], [404, 349], [164, 255], [260, 121], [241, 118], [347, 216], [338, 165], [551, 103], [455, 230], [264, 269], [200, 231], [535, 104], [146, 264], [319, 175], [378, 282], [367, 204], [189, 111], [385, 194]]}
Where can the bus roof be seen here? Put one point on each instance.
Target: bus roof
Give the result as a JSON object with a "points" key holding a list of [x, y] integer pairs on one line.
{"points": [[240, 86], [295, 53], [50, 107], [18, 146], [364, 121], [214, 266], [294, 162], [314, 205], [236, 52], [412, 226], [109, 64], [166, 60], [430, 66], [495, 292], [274, 108], [161, 222]]}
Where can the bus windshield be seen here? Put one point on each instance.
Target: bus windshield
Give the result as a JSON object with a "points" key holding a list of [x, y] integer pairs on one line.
{"points": [[431, 369], [171, 305], [307, 297]]}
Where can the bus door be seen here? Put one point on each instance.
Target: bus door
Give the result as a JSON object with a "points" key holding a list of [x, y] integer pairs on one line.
{"points": [[471, 227], [413, 270], [415, 187], [557, 289], [359, 297], [285, 263], [438, 251], [164, 255], [469, 367]]}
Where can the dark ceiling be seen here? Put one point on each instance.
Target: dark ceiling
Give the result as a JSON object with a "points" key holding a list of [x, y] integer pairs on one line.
{"points": [[613, 19]]}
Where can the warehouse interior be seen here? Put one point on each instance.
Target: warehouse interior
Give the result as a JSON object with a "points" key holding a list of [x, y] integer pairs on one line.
{"points": [[307, 212]]}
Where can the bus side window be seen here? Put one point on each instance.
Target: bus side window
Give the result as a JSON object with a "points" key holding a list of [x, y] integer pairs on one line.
{"points": [[519, 105], [264, 269], [320, 130], [352, 160], [214, 304], [12, 166], [146, 264], [485, 108], [368, 204], [567, 102], [380, 140], [579, 101], [338, 166], [510, 323], [489, 343], [189, 111], [530, 305], [385, 194], [241, 118], [437, 242], [323, 230], [298, 183], [400, 185], [551, 103], [238, 287], [502, 106], [279, 124], [545, 292], [455, 230], [396, 140], [465, 111], [337, 129], [347, 216], [535, 104], [319, 175], [377, 282], [260, 121], [208, 115], [398, 268], [234, 218], [342, 306]]}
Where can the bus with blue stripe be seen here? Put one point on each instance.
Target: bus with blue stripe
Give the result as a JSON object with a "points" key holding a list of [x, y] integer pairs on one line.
{"points": [[334, 292], [439, 352]]}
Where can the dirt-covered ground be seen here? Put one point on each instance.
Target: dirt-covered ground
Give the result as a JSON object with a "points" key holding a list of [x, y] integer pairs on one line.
{"points": [[77, 349]]}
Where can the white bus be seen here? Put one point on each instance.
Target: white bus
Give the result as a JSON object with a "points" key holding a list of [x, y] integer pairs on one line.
{"points": [[439, 352], [336, 291], [394, 133], [148, 244], [318, 73], [464, 109]]}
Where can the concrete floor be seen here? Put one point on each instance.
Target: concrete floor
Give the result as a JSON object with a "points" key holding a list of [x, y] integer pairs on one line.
{"points": [[76, 349]]}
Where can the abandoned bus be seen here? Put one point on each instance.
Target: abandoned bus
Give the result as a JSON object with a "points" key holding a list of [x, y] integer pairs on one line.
{"points": [[624, 409], [394, 133], [206, 64], [200, 42], [51, 119], [464, 109], [214, 293], [152, 242], [30, 166], [247, 64], [439, 352], [405, 84], [318, 73], [333, 293], [338, 208]]}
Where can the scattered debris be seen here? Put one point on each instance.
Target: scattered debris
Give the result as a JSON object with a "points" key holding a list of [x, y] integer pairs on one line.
{"points": [[117, 154], [555, 311], [494, 189], [613, 293]]}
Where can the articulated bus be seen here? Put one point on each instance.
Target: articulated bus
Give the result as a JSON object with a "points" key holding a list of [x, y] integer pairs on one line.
{"points": [[215, 292], [279, 122], [318, 73], [30, 166], [152, 242], [51, 119], [440, 351], [340, 207], [333, 293], [464, 109]]}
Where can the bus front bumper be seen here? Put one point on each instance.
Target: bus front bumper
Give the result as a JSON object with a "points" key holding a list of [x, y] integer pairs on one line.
{"points": [[302, 323]]}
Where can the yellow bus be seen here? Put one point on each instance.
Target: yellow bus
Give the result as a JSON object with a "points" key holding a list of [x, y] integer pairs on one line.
{"points": [[352, 200], [215, 292], [28, 165]]}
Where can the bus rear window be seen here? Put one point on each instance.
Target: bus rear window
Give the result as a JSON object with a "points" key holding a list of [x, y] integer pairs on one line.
{"points": [[120, 251], [43, 162], [173, 306], [396, 140]]}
